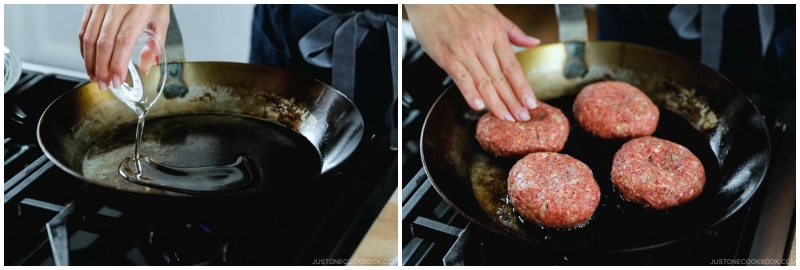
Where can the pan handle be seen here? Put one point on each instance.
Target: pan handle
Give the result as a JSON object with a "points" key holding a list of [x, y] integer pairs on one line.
{"points": [[174, 86], [572, 31], [571, 23], [174, 43]]}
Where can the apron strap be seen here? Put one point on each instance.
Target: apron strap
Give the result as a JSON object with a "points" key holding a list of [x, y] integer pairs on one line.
{"points": [[334, 41], [682, 18], [766, 24], [712, 22]]}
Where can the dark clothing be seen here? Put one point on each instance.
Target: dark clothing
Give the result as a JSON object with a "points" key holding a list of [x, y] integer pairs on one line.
{"points": [[386, 9], [277, 30], [771, 75]]}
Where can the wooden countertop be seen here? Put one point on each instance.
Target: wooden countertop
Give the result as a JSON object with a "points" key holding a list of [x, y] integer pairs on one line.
{"points": [[380, 244]]}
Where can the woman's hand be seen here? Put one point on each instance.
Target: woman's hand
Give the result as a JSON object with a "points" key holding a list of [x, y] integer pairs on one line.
{"points": [[109, 33], [472, 43]]}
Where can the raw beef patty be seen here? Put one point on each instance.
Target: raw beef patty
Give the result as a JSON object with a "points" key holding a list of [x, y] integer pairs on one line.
{"points": [[547, 131], [657, 173], [553, 190], [615, 110]]}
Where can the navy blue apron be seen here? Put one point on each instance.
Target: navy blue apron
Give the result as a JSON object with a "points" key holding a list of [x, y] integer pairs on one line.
{"points": [[753, 45], [354, 51]]}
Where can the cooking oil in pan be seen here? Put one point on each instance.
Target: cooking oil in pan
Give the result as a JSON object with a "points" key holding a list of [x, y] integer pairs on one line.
{"points": [[204, 179], [204, 153], [145, 171]]}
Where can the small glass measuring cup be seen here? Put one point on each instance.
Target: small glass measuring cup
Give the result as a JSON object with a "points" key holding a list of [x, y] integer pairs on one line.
{"points": [[144, 81]]}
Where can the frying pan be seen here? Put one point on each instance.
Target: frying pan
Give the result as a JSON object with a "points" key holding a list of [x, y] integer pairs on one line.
{"points": [[700, 109], [291, 127]]}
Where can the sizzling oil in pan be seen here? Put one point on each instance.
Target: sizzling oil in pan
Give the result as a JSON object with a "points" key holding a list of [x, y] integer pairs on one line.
{"points": [[489, 174], [278, 154]]}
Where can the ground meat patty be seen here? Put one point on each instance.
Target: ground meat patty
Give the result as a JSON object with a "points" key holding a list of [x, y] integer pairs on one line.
{"points": [[657, 173], [547, 131], [553, 190], [615, 110]]}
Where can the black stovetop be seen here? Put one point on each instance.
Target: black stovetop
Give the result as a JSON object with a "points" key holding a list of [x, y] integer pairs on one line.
{"points": [[53, 218]]}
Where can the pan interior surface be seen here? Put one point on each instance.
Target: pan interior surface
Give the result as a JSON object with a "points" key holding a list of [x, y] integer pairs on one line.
{"points": [[201, 140], [699, 109]]}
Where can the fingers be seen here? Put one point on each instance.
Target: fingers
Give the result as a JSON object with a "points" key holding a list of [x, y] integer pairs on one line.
{"points": [[108, 36], [161, 22], [492, 80], [478, 89], [511, 67], [87, 13], [89, 39], [498, 77], [106, 41], [472, 43], [481, 78], [149, 56], [516, 36], [512, 71], [124, 42], [466, 85]]}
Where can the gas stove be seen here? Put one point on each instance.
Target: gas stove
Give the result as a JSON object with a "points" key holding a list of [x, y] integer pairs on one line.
{"points": [[52, 218], [761, 232]]}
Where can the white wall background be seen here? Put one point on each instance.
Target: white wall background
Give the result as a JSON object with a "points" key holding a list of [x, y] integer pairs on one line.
{"points": [[48, 34]]}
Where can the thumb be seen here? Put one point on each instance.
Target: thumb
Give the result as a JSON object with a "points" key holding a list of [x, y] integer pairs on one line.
{"points": [[153, 52], [160, 27], [149, 55], [160, 22], [517, 37]]}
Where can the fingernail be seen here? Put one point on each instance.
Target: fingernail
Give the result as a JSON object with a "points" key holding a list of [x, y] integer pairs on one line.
{"points": [[507, 116], [523, 115], [479, 104], [530, 102], [103, 86], [535, 40], [116, 81]]}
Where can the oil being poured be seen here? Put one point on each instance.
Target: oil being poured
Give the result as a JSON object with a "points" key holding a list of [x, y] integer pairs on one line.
{"points": [[149, 172], [146, 171]]}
